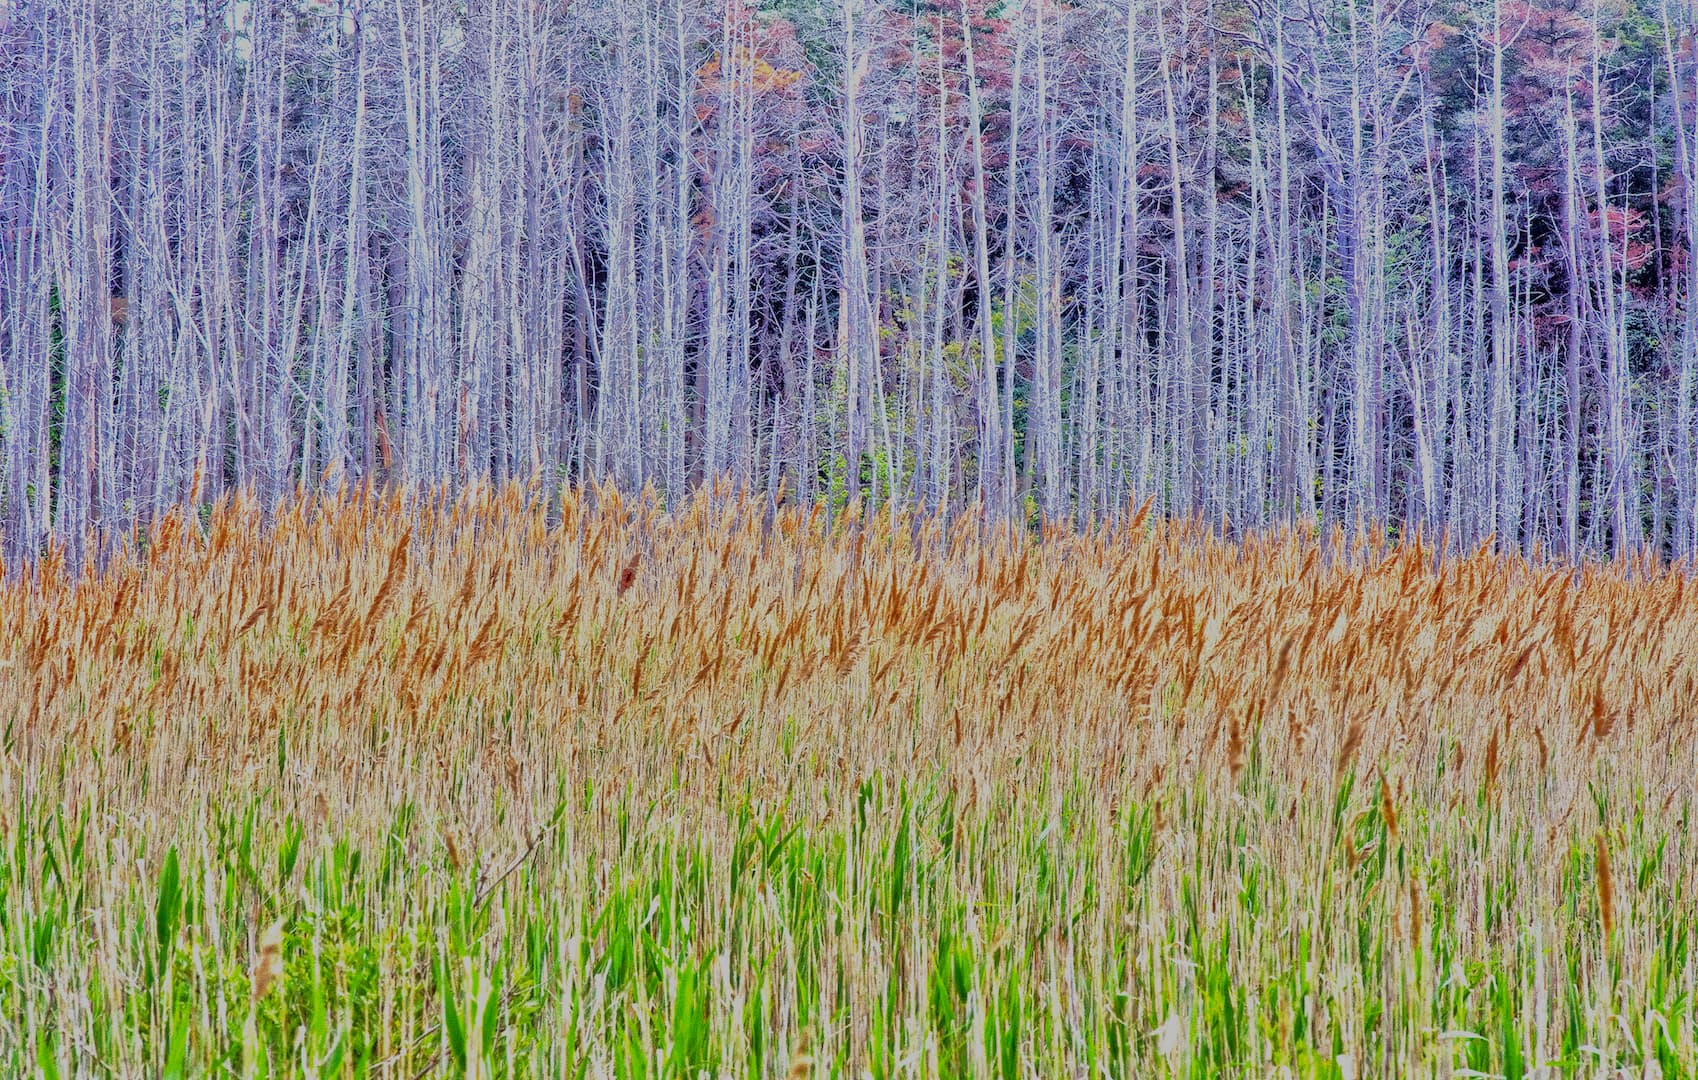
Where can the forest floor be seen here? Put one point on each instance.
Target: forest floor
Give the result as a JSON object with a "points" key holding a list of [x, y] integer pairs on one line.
{"points": [[568, 786]]}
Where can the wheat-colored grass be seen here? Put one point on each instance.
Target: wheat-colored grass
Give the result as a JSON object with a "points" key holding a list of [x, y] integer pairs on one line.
{"points": [[506, 783]]}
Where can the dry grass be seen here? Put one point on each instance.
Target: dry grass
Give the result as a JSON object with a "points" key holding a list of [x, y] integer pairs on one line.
{"points": [[573, 786]]}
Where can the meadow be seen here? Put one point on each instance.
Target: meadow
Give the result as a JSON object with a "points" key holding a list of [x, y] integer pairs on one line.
{"points": [[510, 783]]}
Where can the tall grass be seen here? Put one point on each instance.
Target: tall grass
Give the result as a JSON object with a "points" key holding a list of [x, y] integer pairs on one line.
{"points": [[503, 784]]}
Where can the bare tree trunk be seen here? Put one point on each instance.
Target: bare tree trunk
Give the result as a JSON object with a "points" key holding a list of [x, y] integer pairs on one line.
{"points": [[990, 431]]}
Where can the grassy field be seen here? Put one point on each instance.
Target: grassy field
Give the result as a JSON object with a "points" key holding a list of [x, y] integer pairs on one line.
{"points": [[570, 787]]}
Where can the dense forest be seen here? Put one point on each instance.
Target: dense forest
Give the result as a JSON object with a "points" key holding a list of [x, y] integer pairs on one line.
{"points": [[1421, 262]]}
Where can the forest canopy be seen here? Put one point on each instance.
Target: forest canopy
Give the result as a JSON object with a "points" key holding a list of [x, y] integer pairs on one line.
{"points": [[1261, 261]]}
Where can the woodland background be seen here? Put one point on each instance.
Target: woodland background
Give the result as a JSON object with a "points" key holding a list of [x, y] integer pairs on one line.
{"points": [[1424, 262]]}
